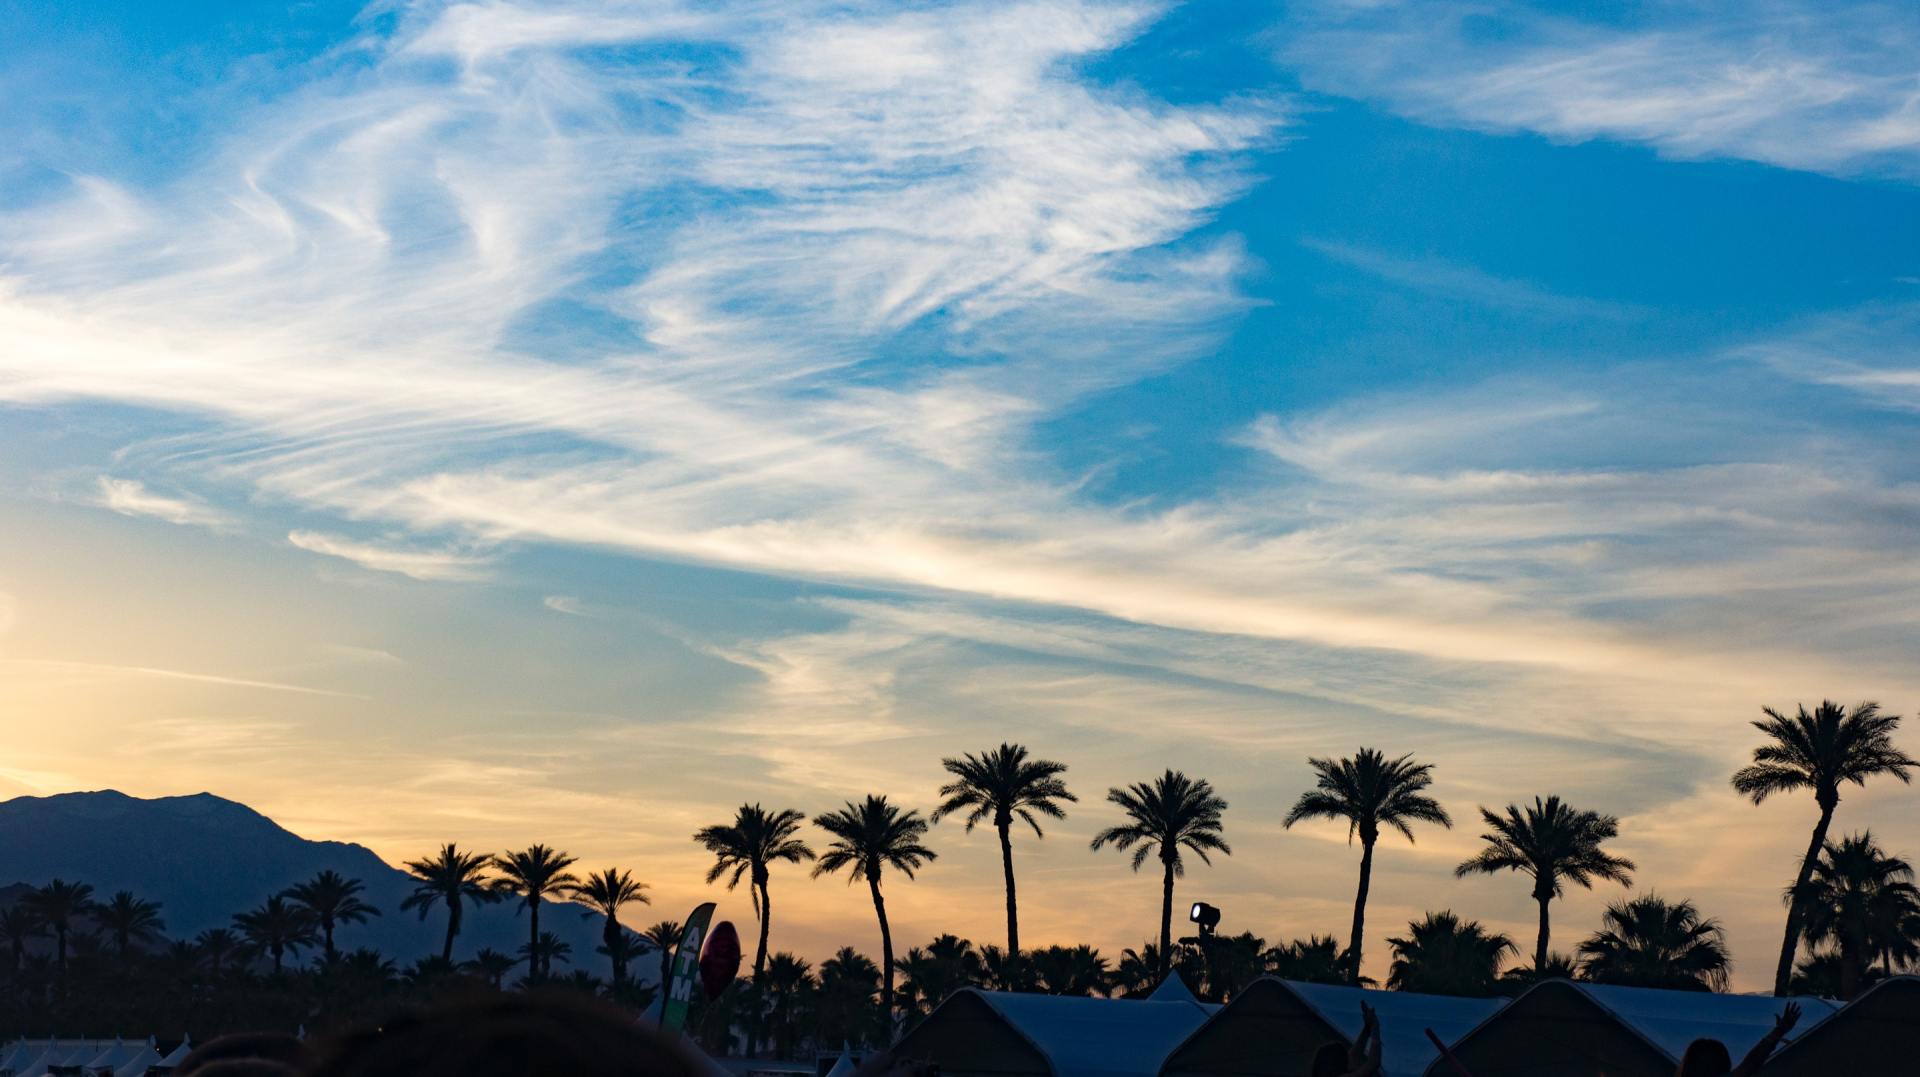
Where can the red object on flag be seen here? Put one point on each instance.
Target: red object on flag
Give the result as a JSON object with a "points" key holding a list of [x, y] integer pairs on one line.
{"points": [[720, 959]]}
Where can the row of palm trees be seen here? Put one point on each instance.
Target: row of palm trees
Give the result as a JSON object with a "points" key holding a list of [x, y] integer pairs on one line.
{"points": [[1551, 843]]}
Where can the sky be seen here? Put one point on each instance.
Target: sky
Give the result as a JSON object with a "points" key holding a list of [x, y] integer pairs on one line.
{"points": [[509, 421]]}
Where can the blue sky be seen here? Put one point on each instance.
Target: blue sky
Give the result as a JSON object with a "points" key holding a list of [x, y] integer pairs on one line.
{"points": [[505, 421]]}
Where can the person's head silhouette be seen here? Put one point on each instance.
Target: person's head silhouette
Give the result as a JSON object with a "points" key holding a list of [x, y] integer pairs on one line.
{"points": [[1706, 1058]]}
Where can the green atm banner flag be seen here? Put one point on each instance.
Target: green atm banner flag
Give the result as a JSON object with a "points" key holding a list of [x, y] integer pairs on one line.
{"points": [[685, 978]]}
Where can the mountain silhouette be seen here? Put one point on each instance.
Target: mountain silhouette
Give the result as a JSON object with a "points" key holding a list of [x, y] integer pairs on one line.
{"points": [[205, 858]]}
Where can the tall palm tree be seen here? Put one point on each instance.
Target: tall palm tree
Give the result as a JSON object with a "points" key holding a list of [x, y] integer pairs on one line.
{"points": [[216, 946], [1368, 790], [868, 838], [664, 936], [1648, 942], [1818, 752], [749, 846], [277, 928], [1174, 813], [58, 904], [331, 898], [1553, 843], [451, 878], [19, 925], [604, 892], [1445, 955], [130, 920], [1852, 880], [1003, 784], [531, 875]]}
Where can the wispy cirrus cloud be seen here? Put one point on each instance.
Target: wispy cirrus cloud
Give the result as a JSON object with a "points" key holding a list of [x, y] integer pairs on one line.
{"points": [[412, 561], [1820, 87], [130, 497]]}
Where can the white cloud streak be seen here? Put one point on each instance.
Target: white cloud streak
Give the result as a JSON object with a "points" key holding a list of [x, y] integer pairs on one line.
{"points": [[130, 497], [415, 563], [1820, 87]]}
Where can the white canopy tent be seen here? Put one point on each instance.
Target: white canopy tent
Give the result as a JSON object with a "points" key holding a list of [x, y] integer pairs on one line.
{"points": [[1562, 1028], [1273, 1028], [1004, 1033]]}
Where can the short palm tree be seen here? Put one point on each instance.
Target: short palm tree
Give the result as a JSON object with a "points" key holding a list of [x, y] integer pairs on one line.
{"points": [[1174, 813], [1852, 881], [1648, 942], [664, 936], [1818, 752], [492, 965], [604, 892], [1554, 844], [1003, 784], [1316, 959], [451, 878], [788, 981], [1367, 790], [277, 928], [1445, 955], [1072, 970], [216, 946], [331, 899], [531, 875], [541, 951], [749, 846], [868, 838], [19, 925], [57, 905], [130, 921]]}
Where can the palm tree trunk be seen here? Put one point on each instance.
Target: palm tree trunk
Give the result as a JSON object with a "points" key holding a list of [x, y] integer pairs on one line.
{"points": [[1790, 944], [1166, 919], [1360, 908], [886, 954], [766, 922], [1013, 908], [453, 928], [536, 968], [611, 936], [326, 928], [1546, 931]]}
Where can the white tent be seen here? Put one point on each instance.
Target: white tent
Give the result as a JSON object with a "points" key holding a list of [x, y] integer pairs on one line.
{"points": [[1878, 1032], [1008, 1033], [1273, 1028], [178, 1054], [112, 1057], [145, 1059], [1577, 1028], [842, 1066]]}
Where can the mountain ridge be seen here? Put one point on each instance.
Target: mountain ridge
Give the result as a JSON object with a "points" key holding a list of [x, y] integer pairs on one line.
{"points": [[205, 857]]}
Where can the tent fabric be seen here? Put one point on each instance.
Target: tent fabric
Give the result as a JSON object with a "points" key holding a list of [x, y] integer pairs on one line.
{"points": [[1565, 1027], [1273, 1027], [1878, 1032], [1052, 1035], [842, 1066], [114, 1056], [139, 1063]]}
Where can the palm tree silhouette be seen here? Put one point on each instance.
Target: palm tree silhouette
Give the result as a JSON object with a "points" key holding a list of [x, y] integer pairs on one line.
{"points": [[1316, 959], [451, 878], [129, 920], [788, 979], [1648, 942], [493, 965], [216, 945], [1002, 784], [1554, 844], [1072, 970], [57, 905], [1445, 955], [1853, 879], [1818, 751], [1173, 813], [19, 925], [664, 936], [868, 838], [1368, 790], [277, 928], [845, 1010], [604, 892], [530, 875], [541, 951], [753, 842], [331, 899]]}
